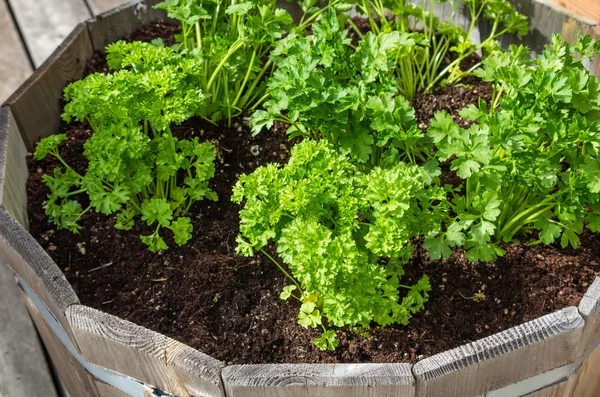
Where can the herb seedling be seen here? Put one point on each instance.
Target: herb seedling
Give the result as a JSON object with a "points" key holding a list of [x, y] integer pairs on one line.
{"points": [[231, 43], [326, 89], [420, 56], [531, 163], [344, 235], [137, 168]]}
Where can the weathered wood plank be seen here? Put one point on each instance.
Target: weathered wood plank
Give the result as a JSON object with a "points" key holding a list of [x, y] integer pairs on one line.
{"points": [[117, 23], [587, 381], [31, 263], [14, 63], [502, 359], [589, 307], [23, 368], [319, 380], [587, 8], [145, 355], [13, 168], [100, 6], [45, 23], [74, 377], [546, 18], [36, 105]]}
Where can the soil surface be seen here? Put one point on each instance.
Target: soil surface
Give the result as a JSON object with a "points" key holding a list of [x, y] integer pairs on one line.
{"points": [[228, 306]]}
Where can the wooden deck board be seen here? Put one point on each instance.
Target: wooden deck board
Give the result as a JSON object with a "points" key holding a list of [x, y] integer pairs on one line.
{"points": [[100, 6], [23, 368], [14, 63], [588, 8], [45, 23]]}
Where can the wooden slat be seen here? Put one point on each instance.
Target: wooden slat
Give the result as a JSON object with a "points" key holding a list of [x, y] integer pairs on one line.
{"points": [[100, 6], [23, 368], [45, 23], [30, 262], [145, 355], [322, 380], [545, 18], [13, 168], [588, 8], [589, 307], [502, 359], [36, 104], [14, 64], [587, 380], [72, 374], [117, 23]]}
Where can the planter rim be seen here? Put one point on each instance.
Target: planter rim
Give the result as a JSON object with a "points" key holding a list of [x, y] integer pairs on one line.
{"points": [[80, 321]]}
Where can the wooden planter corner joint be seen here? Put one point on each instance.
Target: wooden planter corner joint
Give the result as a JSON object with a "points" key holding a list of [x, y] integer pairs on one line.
{"points": [[97, 354]]}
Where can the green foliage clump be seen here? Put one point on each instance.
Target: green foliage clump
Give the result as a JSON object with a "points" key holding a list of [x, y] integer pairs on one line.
{"points": [[419, 58], [230, 43], [136, 166], [531, 162], [345, 235], [324, 88]]}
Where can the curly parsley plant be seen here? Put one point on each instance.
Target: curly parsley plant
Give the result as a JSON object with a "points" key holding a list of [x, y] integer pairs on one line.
{"points": [[137, 168], [345, 235]]}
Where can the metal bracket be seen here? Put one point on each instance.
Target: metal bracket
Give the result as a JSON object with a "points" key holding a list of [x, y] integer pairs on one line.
{"points": [[126, 384]]}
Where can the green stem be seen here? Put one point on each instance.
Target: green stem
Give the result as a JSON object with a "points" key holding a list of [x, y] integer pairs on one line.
{"points": [[281, 268], [508, 236], [83, 213], [239, 94], [236, 46], [198, 36], [529, 210], [257, 79], [355, 28], [264, 97], [303, 25], [76, 192], [63, 162]]}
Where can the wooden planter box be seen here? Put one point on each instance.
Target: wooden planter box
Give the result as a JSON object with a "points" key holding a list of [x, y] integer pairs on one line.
{"points": [[97, 354]]}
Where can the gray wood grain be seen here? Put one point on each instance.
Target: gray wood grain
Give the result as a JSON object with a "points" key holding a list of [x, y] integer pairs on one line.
{"points": [[14, 63], [13, 168], [586, 383], [23, 368], [589, 307], [36, 104], [29, 261], [499, 360], [100, 6], [119, 22], [319, 380], [74, 377], [145, 355], [546, 18], [44, 24], [590, 303]]}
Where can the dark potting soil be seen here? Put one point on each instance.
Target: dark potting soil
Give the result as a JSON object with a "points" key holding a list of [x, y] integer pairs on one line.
{"points": [[228, 306]]}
